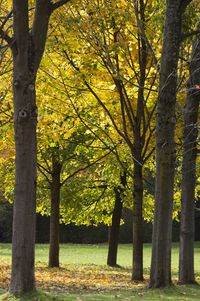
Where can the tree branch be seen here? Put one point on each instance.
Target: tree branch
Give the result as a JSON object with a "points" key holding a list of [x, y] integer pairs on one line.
{"points": [[21, 28], [58, 4], [3, 33], [184, 4], [143, 35], [189, 34], [43, 173], [5, 36], [85, 167], [39, 29]]}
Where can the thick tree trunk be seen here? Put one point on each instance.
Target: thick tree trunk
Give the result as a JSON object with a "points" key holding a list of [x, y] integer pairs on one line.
{"points": [[137, 273], [23, 241], [27, 48], [165, 147], [25, 121], [115, 227], [186, 256], [55, 213]]}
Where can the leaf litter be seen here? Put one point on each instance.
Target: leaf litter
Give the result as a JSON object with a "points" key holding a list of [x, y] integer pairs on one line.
{"points": [[73, 278]]}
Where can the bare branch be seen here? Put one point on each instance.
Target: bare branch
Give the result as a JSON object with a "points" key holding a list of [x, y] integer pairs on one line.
{"points": [[43, 173], [5, 36], [3, 33], [59, 4], [85, 167], [143, 34], [46, 170], [184, 4], [189, 34]]}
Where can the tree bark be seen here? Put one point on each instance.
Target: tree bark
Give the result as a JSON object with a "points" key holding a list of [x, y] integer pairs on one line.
{"points": [[165, 147], [138, 144], [27, 49], [186, 254], [25, 184], [25, 120], [114, 230], [137, 272], [55, 213], [115, 227]]}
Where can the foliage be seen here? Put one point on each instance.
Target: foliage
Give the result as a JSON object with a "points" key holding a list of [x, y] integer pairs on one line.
{"points": [[91, 47]]}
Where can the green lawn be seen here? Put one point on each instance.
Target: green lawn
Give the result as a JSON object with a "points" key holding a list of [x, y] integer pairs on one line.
{"points": [[97, 254], [87, 259]]}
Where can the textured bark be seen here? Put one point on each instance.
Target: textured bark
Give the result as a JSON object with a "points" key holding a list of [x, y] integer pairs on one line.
{"points": [[27, 51], [165, 148], [55, 214], [137, 273], [186, 256], [25, 184], [115, 227], [25, 120], [114, 230], [138, 144]]}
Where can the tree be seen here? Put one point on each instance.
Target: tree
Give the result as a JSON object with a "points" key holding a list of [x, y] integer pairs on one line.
{"points": [[165, 146], [186, 257], [27, 45], [120, 57], [116, 218]]}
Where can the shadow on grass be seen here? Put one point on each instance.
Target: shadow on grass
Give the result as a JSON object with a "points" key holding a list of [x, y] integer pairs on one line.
{"points": [[176, 293], [33, 296]]}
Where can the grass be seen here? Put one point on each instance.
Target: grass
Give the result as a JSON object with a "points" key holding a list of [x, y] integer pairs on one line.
{"points": [[181, 293], [84, 276]]}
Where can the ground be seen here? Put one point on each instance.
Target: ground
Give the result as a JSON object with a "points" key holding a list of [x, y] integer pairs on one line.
{"points": [[84, 276]]}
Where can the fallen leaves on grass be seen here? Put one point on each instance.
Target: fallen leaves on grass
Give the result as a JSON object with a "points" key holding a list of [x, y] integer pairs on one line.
{"points": [[4, 276], [73, 278]]}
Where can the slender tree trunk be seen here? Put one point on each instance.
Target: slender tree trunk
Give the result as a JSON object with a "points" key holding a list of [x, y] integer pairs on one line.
{"points": [[137, 273], [115, 227], [55, 214], [165, 147], [186, 256], [114, 230]]}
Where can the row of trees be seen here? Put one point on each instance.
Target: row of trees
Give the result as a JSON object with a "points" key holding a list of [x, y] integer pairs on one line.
{"points": [[96, 132]]}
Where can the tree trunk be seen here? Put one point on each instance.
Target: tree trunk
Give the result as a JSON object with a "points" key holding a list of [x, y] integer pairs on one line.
{"points": [[25, 120], [27, 47], [186, 256], [114, 230], [165, 147], [55, 213], [115, 227], [137, 273]]}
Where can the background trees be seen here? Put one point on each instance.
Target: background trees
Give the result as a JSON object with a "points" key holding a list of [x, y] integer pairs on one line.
{"points": [[98, 126], [124, 88]]}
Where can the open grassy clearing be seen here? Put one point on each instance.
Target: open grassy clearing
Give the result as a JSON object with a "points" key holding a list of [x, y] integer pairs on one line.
{"points": [[84, 276]]}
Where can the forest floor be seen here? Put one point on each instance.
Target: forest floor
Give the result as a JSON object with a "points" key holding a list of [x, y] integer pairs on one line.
{"points": [[84, 276]]}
